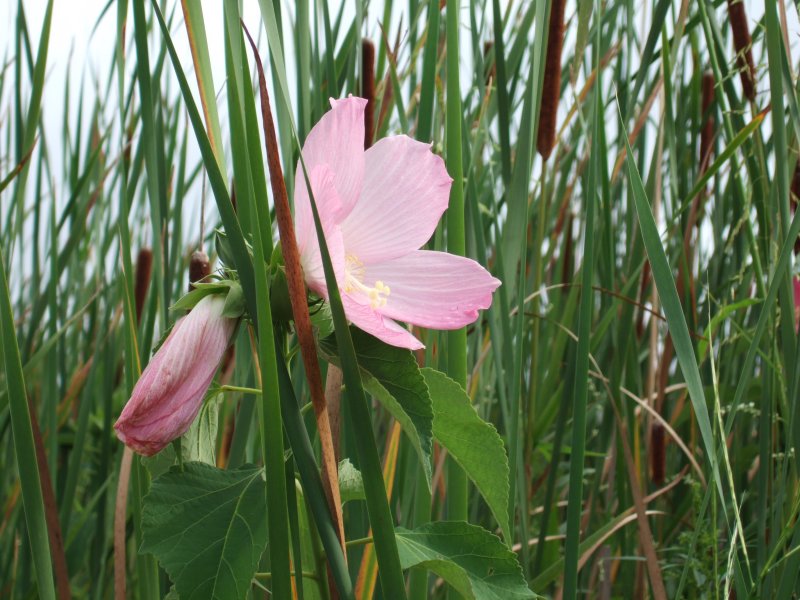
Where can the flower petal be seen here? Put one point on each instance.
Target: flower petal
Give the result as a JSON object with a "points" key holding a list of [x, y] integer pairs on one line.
{"points": [[433, 289], [406, 190], [371, 321], [337, 140], [322, 184], [169, 394]]}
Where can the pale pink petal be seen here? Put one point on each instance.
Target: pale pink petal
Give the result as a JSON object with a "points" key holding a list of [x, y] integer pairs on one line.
{"points": [[433, 289], [327, 201], [366, 318], [169, 394], [337, 140], [406, 190]]}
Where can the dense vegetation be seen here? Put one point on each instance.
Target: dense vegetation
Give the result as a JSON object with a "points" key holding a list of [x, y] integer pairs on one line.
{"points": [[628, 171]]}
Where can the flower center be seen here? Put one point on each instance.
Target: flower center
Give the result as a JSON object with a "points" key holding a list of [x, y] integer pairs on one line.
{"points": [[353, 282]]}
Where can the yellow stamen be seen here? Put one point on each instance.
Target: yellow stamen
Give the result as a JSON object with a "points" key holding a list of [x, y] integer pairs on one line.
{"points": [[353, 282]]}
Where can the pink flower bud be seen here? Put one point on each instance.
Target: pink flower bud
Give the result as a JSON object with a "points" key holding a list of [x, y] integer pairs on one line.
{"points": [[168, 395]]}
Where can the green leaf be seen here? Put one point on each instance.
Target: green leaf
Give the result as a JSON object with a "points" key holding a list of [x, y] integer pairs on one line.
{"points": [[189, 301], [471, 441], [234, 302], [199, 443], [160, 463], [584, 17], [351, 485], [673, 311], [472, 560], [391, 375], [717, 320], [208, 529]]}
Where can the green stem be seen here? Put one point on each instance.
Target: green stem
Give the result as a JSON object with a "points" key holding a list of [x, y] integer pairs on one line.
{"points": [[243, 390], [456, 244], [581, 389]]}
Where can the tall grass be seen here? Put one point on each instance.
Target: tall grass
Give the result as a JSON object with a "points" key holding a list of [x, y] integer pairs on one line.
{"points": [[639, 362]]}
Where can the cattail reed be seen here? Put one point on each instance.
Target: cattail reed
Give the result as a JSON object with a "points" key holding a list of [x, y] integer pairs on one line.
{"points": [[199, 268], [657, 453], [567, 267], [795, 199], [707, 133], [368, 90], [144, 267], [743, 45], [490, 67], [551, 88]]}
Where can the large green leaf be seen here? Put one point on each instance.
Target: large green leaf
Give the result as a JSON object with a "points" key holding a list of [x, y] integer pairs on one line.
{"points": [[392, 376], [208, 529], [471, 441], [472, 560]]}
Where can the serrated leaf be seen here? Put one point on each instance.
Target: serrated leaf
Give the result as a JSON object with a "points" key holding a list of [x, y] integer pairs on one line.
{"points": [[471, 441], [160, 463], [172, 594], [351, 485], [391, 375], [207, 528], [472, 560]]}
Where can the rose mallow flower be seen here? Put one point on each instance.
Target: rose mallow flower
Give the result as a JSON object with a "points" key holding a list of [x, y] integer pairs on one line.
{"points": [[169, 394], [377, 208]]}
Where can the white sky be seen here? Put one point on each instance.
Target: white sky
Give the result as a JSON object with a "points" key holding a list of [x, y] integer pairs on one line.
{"points": [[89, 53]]}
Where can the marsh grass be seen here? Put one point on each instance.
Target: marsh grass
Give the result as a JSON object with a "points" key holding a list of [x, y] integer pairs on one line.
{"points": [[640, 360]]}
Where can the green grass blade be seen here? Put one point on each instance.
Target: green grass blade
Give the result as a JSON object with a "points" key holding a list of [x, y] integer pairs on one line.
{"points": [[24, 448]]}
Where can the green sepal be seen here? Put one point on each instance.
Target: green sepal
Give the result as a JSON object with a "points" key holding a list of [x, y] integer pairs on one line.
{"points": [[231, 288], [279, 299], [234, 301], [190, 300], [223, 247]]}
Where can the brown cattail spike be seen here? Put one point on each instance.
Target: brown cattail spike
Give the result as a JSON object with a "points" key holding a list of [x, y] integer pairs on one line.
{"points": [[551, 87], [144, 267], [743, 45], [368, 90], [707, 133], [657, 453], [199, 268], [490, 68]]}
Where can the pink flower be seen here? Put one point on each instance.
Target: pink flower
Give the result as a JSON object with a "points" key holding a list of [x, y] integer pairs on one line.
{"points": [[168, 395], [377, 208]]}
